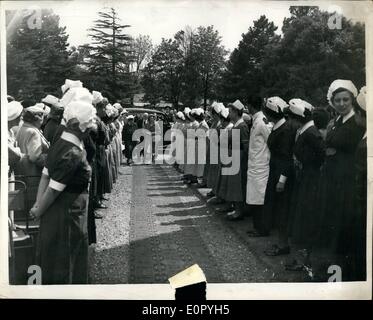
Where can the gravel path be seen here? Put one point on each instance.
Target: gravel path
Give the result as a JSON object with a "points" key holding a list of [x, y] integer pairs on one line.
{"points": [[109, 256], [156, 226]]}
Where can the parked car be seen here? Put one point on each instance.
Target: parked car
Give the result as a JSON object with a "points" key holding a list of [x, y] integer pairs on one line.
{"points": [[161, 116]]}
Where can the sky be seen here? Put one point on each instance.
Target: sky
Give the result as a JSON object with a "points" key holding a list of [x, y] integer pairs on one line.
{"points": [[163, 18]]}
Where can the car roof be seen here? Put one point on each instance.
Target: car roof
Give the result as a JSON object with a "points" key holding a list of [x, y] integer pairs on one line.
{"points": [[143, 110]]}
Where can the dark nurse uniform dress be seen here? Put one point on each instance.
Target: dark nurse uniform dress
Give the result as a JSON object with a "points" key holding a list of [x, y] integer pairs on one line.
{"points": [[336, 193], [63, 248]]}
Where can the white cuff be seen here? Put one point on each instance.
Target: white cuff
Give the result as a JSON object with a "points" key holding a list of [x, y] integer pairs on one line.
{"points": [[282, 179], [56, 185], [45, 171]]}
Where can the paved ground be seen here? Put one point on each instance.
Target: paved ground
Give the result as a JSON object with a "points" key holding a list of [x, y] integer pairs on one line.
{"points": [[156, 226]]}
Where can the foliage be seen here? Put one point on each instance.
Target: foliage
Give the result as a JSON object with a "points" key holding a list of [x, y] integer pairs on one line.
{"points": [[37, 59], [110, 55]]}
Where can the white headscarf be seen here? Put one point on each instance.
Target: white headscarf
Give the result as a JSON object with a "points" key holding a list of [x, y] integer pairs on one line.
{"points": [[84, 112], [361, 98], [276, 104], [71, 84], [338, 84], [97, 97], [298, 106], [76, 94]]}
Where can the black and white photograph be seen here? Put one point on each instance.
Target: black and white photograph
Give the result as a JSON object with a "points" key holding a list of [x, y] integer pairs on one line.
{"points": [[179, 143]]}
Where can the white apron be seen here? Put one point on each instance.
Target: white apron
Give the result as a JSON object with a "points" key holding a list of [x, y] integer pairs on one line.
{"points": [[200, 167], [258, 160]]}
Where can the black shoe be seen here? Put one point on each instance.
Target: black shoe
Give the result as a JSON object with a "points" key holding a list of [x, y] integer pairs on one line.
{"points": [[101, 206], [215, 201], [234, 216]]}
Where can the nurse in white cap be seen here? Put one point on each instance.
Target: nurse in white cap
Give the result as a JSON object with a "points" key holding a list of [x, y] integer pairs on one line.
{"points": [[281, 175], [177, 142], [64, 186], [337, 206], [233, 186], [309, 153], [201, 146], [184, 128], [225, 126], [54, 118], [190, 148], [211, 168]]}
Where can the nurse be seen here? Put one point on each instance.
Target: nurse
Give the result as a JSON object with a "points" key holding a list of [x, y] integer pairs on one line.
{"points": [[62, 201], [337, 182], [177, 139], [308, 157], [54, 117], [219, 189], [185, 127], [280, 181], [233, 186], [201, 145], [190, 156], [211, 168]]}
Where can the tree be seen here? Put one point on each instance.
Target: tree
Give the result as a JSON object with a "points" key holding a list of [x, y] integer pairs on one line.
{"points": [[37, 59], [311, 55], [300, 64], [142, 47], [110, 56], [209, 59], [243, 77], [163, 74]]}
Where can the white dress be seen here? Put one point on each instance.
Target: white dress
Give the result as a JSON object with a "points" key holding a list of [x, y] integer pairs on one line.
{"points": [[258, 160], [189, 156]]}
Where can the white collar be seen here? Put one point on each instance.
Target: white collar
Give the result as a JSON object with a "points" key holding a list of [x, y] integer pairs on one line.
{"points": [[365, 135], [239, 121], [67, 136], [347, 116], [306, 126], [278, 124]]}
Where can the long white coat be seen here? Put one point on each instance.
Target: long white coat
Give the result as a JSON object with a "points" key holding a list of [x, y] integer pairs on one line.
{"points": [[258, 160]]}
